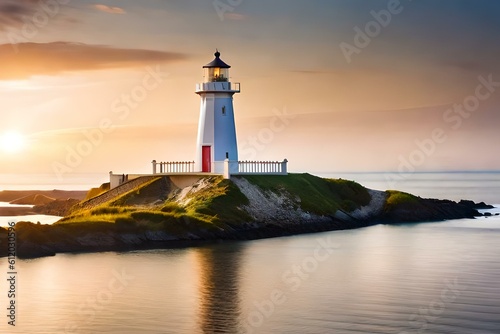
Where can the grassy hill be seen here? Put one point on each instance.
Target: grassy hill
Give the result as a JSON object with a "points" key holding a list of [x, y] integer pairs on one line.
{"points": [[216, 202], [206, 205]]}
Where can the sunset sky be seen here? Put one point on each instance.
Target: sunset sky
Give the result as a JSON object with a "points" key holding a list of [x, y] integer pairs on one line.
{"points": [[331, 85]]}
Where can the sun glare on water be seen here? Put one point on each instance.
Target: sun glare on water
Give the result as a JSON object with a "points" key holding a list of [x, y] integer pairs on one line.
{"points": [[12, 141]]}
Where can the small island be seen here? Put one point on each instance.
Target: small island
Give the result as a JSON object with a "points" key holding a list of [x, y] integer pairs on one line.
{"points": [[215, 197], [177, 211]]}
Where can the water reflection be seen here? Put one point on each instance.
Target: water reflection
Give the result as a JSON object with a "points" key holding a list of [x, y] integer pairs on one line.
{"points": [[219, 281]]}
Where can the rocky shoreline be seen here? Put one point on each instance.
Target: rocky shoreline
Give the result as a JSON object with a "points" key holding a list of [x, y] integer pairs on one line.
{"points": [[265, 213]]}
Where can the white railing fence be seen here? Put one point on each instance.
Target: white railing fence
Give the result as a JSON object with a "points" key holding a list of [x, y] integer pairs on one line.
{"points": [[226, 167], [261, 167], [218, 86], [173, 167], [255, 168]]}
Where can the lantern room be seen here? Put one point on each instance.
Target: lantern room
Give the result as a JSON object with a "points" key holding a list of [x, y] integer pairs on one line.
{"points": [[216, 70]]}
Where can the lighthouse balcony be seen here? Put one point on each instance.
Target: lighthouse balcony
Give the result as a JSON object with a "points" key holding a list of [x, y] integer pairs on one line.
{"points": [[207, 87]]}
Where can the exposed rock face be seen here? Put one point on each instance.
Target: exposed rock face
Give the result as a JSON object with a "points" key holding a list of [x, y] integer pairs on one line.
{"points": [[372, 210], [271, 207], [429, 210], [182, 196], [477, 206]]}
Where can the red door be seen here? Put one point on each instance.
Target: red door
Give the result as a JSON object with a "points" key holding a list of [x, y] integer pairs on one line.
{"points": [[206, 159]]}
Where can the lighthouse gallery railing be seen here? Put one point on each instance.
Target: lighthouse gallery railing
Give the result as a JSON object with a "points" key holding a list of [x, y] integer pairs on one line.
{"points": [[230, 167], [218, 86], [258, 167]]}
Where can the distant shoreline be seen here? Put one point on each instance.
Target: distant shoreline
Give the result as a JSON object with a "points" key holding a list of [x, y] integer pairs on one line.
{"points": [[39, 202], [16, 211]]}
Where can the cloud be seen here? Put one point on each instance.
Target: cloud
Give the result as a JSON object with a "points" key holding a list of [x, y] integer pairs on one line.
{"points": [[60, 57], [108, 9], [13, 11], [21, 20]]}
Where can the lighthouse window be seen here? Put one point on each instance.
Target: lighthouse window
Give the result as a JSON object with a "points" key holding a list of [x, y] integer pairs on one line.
{"points": [[217, 74], [223, 110]]}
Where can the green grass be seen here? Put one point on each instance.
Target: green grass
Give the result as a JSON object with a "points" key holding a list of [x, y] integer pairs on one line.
{"points": [[93, 218], [351, 195], [173, 207], [106, 209], [97, 191], [102, 213], [137, 221], [398, 197], [219, 202], [315, 194]]}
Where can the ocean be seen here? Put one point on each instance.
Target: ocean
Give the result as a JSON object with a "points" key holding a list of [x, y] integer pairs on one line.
{"points": [[72, 181], [437, 277]]}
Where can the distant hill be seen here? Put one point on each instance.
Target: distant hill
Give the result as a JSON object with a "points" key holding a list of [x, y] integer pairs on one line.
{"points": [[50, 202], [33, 199], [12, 195]]}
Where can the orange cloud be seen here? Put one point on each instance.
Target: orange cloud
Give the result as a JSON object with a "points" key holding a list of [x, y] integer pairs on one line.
{"points": [[60, 57], [109, 9]]}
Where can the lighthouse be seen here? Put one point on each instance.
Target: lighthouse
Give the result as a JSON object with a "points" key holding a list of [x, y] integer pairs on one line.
{"points": [[216, 146], [216, 140]]}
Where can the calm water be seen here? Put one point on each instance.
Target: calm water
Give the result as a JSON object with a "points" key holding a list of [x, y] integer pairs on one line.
{"points": [[43, 219], [418, 278]]}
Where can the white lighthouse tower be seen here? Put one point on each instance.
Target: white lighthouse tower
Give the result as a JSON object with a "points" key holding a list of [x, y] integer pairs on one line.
{"points": [[216, 129]]}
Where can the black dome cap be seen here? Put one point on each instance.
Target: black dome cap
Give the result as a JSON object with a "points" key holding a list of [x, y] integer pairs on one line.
{"points": [[217, 62]]}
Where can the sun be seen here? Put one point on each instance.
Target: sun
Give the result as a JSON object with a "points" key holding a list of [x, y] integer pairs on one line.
{"points": [[12, 141]]}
